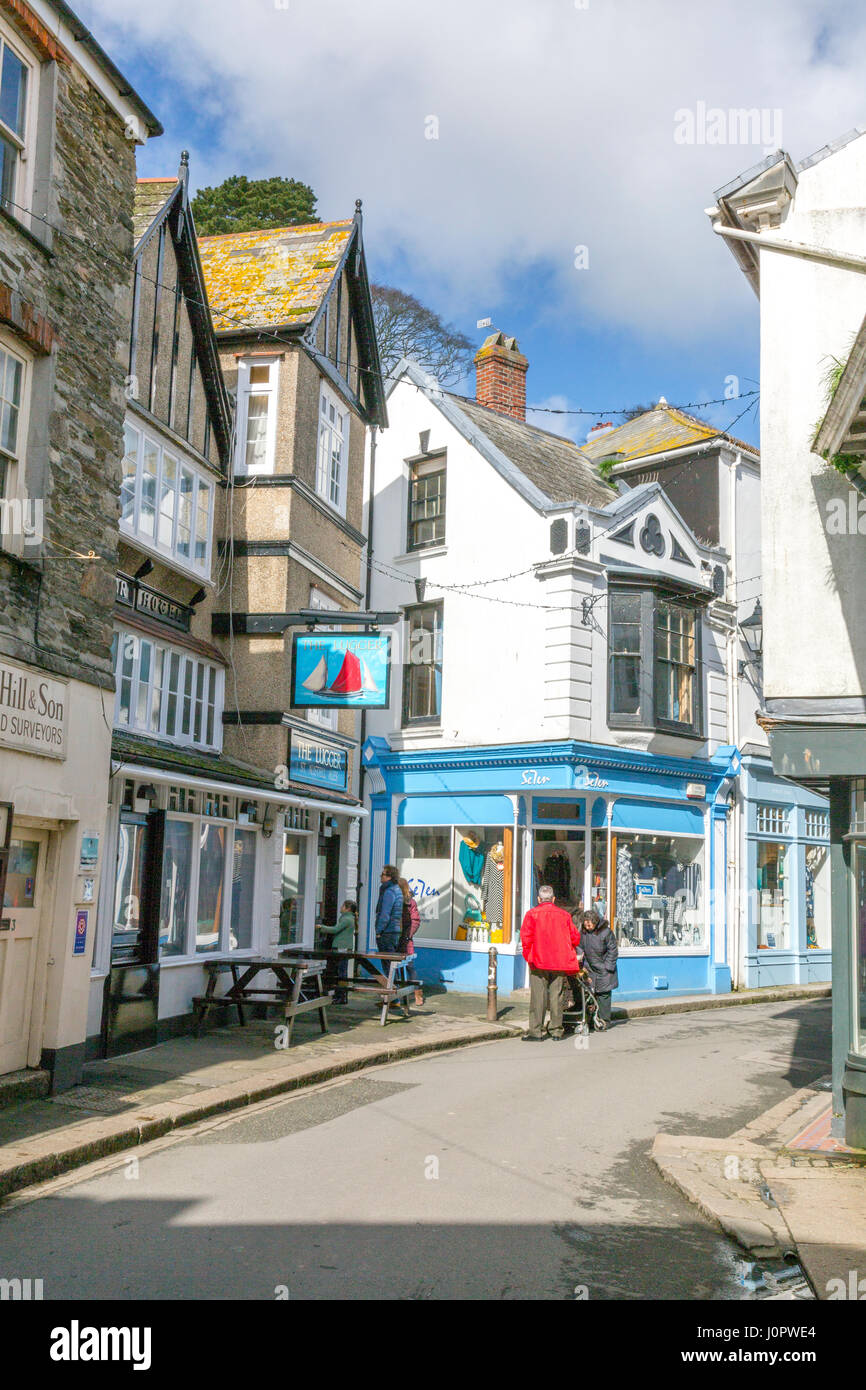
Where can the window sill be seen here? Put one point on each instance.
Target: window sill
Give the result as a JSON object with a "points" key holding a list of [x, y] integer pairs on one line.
{"points": [[424, 551], [624, 725]]}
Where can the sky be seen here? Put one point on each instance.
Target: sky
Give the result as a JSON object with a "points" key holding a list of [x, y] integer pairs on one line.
{"points": [[545, 164]]}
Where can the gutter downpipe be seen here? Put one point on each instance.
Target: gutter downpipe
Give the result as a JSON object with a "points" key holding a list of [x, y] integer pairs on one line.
{"points": [[362, 777], [734, 732], [793, 248]]}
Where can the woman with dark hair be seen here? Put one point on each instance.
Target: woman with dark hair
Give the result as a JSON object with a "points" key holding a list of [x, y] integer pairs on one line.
{"points": [[411, 921], [389, 910], [601, 952]]}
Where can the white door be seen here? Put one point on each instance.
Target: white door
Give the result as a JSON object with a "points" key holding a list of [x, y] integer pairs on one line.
{"points": [[19, 940]]}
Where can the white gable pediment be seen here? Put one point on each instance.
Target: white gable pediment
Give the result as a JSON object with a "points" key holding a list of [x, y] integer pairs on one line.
{"points": [[645, 532]]}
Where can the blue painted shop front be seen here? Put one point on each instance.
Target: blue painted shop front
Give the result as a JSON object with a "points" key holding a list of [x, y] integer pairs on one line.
{"points": [[476, 830]]}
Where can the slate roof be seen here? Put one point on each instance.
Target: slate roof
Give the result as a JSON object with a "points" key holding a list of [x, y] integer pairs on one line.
{"points": [[272, 279], [556, 466], [151, 196], [655, 432]]}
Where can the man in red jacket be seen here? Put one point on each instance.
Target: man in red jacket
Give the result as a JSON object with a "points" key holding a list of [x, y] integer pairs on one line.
{"points": [[549, 941]]}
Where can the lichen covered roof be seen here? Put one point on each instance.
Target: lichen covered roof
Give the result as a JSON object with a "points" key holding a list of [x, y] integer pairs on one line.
{"points": [[150, 196], [271, 279], [655, 432], [555, 465]]}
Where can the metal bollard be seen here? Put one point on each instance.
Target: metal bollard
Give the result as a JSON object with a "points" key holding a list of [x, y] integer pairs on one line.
{"points": [[492, 1007]]}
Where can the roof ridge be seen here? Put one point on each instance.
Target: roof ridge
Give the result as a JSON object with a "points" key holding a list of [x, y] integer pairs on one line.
{"points": [[501, 415], [264, 231]]}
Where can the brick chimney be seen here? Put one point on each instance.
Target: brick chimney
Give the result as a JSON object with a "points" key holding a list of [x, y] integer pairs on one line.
{"points": [[500, 376]]}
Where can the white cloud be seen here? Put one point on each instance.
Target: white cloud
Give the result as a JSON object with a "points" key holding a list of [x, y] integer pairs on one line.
{"points": [[555, 130]]}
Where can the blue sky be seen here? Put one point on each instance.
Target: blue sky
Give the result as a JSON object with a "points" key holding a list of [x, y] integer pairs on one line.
{"points": [[554, 126]]}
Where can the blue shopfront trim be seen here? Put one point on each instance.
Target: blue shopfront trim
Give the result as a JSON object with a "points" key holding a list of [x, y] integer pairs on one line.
{"points": [[498, 785]]}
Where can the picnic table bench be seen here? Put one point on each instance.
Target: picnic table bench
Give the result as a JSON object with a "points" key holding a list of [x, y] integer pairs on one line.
{"points": [[370, 975], [299, 988]]}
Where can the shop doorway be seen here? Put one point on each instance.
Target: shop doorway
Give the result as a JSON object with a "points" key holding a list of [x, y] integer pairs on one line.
{"points": [[23, 902], [559, 859], [131, 1006], [328, 879]]}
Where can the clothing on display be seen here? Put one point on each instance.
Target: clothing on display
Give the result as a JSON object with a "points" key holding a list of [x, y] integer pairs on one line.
{"points": [[557, 873], [493, 884], [625, 889], [471, 856]]}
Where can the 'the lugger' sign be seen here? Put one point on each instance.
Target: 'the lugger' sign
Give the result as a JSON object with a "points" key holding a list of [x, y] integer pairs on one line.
{"points": [[317, 762], [33, 710]]}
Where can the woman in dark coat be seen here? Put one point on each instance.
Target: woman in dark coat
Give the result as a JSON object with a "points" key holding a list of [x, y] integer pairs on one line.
{"points": [[600, 949]]}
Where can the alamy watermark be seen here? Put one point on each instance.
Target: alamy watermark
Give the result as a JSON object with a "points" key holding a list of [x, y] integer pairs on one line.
{"points": [[22, 519], [846, 516], [740, 125]]}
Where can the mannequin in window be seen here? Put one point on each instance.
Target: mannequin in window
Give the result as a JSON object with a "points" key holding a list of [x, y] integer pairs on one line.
{"points": [[493, 885]]}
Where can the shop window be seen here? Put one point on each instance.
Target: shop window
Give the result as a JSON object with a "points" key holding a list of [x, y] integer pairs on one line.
{"points": [[166, 503], [654, 662], [772, 895], [426, 503], [422, 670], [461, 879], [818, 897], [243, 890], [256, 415], [292, 888], [211, 886], [176, 887], [424, 860], [657, 890]]}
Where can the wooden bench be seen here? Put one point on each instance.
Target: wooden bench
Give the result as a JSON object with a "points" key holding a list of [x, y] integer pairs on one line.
{"points": [[387, 988], [299, 989]]}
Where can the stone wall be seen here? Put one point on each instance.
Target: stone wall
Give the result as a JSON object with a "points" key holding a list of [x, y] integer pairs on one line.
{"points": [[72, 286]]}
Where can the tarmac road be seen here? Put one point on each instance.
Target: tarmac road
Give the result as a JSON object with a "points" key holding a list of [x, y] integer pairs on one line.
{"points": [[507, 1170]]}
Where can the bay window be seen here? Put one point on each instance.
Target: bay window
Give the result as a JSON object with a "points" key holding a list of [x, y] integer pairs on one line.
{"points": [[166, 692], [166, 502], [654, 679]]}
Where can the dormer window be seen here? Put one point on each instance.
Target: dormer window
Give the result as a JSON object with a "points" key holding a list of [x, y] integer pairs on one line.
{"points": [[257, 415]]}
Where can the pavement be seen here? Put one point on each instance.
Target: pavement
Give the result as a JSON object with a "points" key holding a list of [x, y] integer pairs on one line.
{"points": [[141, 1096], [782, 1188]]}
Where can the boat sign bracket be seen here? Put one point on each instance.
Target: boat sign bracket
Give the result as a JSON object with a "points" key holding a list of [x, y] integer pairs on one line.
{"points": [[259, 624]]}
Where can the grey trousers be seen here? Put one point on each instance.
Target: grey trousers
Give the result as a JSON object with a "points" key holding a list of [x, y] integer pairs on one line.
{"points": [[546, 991]]}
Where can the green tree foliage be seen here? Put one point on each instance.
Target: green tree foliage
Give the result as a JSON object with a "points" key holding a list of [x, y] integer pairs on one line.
{"points": [[240, 204]]}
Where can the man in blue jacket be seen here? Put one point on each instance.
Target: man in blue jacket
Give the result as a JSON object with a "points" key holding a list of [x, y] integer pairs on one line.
{"points": [[389, 911]]}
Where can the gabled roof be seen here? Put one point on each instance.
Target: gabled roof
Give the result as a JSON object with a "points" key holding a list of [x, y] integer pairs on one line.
{"points": [[272, 279], [544, 468], [166, 201], [151, 196], [656, 431], [280, 281]]}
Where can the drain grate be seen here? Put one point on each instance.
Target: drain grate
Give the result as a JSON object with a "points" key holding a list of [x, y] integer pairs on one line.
{"points": [[100, 1099]]}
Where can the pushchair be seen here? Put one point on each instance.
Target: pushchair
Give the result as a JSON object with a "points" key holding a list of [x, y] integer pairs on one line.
{"points": [[584, 1010]]}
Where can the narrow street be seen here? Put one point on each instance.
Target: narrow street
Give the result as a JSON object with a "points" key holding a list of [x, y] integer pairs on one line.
{"points": [[502, 1171]]}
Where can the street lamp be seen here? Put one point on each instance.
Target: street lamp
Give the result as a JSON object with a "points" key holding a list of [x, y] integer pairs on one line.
{"points": [[753, 636]]}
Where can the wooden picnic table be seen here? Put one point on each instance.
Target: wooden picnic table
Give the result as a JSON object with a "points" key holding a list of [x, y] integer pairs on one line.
{"points": [[370, 973], [299, 988]]}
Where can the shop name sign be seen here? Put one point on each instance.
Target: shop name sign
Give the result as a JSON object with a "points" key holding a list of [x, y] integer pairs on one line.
{"points": [[133, 594], [317, 762], [32, 711], [585, 780]]}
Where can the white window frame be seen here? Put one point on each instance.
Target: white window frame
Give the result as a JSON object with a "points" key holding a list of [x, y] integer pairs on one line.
{"points": [[200, 479], [320, 714], [191, 692], [23, 192], [16, 515], [245, 390], [331, 490]]}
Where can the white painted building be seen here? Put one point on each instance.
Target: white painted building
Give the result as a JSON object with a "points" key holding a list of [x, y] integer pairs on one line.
{"points": [[798, 231], [570, 689]]}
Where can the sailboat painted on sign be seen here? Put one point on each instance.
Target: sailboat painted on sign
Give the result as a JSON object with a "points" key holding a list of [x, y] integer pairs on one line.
{"points": [[353, 678]]}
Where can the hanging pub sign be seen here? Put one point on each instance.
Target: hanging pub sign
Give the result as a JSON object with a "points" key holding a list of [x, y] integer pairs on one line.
{"points": [[334, 670], [317, 762]]}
